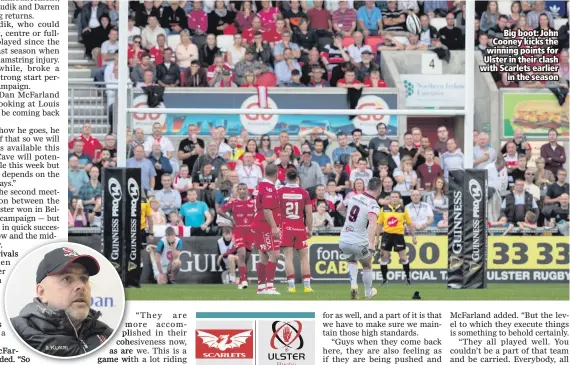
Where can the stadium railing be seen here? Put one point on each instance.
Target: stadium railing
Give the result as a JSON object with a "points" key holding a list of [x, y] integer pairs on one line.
{"points": [[88, 102]]}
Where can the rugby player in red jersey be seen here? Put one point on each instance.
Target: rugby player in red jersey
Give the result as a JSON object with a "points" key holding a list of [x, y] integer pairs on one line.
{"points": [[296, 211], [243, 211], [268, 234]]}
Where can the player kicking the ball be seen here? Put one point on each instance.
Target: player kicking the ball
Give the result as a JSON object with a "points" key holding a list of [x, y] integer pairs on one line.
{"points": [[391, 227], [267, 232], [296, 209], [243, 211], [358, 236]]}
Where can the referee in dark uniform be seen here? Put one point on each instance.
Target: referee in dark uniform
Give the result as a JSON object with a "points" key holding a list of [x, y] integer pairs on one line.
{"points": [[391, 233]]}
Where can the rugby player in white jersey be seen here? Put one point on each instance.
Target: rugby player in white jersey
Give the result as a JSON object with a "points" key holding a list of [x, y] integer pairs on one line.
{"points": [[357, 237]]}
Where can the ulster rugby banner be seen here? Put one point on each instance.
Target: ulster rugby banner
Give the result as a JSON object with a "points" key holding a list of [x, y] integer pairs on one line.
{"points": [[132, 226], [114, 216], [475, 228], [456, 229]]}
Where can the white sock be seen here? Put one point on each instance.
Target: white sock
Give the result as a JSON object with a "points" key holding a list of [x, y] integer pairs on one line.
{"points": [[291, 283], [260, 286], [353, 271], [367, 279], [232, 278], [307, 283]]}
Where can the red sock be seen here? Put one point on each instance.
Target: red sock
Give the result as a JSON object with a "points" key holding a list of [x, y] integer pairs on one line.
{"points": [[260, 273], [289, 277], [242, 274], [270, 269], [306, 277]]}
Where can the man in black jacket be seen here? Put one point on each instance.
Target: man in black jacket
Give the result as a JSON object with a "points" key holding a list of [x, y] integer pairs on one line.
{"points": [[87, 20], [450, 35], [168, 73], [60, 321], [517, 203]]}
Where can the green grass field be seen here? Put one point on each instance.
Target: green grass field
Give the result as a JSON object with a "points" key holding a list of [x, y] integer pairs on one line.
{"points": [[395, 291]]}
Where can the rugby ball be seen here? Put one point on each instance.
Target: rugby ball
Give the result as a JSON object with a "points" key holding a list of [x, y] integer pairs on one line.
{"points": [[413, 24]]}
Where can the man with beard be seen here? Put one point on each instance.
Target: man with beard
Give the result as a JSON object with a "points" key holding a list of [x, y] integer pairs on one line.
{"points": [[60, 321]]}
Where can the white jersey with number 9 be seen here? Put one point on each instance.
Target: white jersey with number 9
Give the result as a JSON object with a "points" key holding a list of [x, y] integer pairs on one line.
{"points": [[358, 209]]}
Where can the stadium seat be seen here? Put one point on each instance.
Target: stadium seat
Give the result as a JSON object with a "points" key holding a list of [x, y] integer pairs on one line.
{"points": [[559, 22], [225, 41], [173, 40], [373, 42], [347, 41], [438, 23]]}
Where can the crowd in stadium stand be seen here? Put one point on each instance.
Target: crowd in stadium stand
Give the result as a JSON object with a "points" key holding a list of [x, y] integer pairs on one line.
{"points": [[305, 44], [189, 184]]}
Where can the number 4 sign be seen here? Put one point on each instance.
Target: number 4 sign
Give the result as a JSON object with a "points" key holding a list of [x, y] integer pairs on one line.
{"points": [[431, 64]]}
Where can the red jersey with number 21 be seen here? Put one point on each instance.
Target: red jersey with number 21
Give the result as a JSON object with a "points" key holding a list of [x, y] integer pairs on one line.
{"points": [[293, 201], [266, 197]]}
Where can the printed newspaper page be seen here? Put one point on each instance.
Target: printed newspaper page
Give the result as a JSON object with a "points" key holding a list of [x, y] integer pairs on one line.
{"points": [[284, 182]]}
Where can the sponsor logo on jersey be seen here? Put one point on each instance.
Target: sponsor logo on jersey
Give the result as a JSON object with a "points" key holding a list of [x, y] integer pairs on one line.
{"points": [[392, 222], [228, 344]]}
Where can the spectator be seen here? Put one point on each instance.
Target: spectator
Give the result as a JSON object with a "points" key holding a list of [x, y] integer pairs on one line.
{"points": [[518, 172], [275, 35], [533, 17], [343, 151], [556, 190], [359, 188], [139, 70], [137, 141], [511, 156], [349, 81], [308, 41], [261, 50], [553, 153], [211, 157], [559, 214], [196, 215], [190, 148], [421, 213], [320, 19], [483, 40], [169, 198], [435, 8], [158, 216], [205, 178], [109, 54], [312, 61], [133, 31], [543, 176], [369, 19], [444, 222], [320, 157], [498, 177], [390, 44], [516, 12], [365, 68], [143, 12], [283, 68], [196, 76], [90, 144], [186, 51], [564, 67], [490, 17], [166, 146], [482, 153], [353, 162], [161, 165], [148, 171], [424, 144], [236, 52], [363, 172], [517, 203], [249, 173], [219, 19], [429, 171], [436, 43], [222, 175], [497, 30], [76, 216], [258, 158], [244, 17], [310, 172], [320, 191], [151, 32], [344, 19], [90, 195], [356, 49], [248, 65], [286, 44], [442, 137], [374, 80], [249, 34], [339, 176], [226, 80], [168, 73], [427, 31], [409, 148], [94, 38], [209, 51], [183, 181], [198, 20], [387, 186], [393, 19], [173, 19], [338, 72], [406, 179], [452, 159], [409, 6], [502, 223], [317, 133], [215, 70], [438, 200], [356, 139], [321, 218], [266, 150], [284, 140], [394, 158], [379, 145], [268, 15], [521, 24], [89, 19], [383, 171], [294, 16], [83, 159], [76, 177], [157, 52], [452, 36], [530, 186], [235, 151], [283, 164], [332, 193]]}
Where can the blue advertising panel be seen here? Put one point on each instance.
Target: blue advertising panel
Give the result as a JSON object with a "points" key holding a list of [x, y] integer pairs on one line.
{"points": [[270, 124]]}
